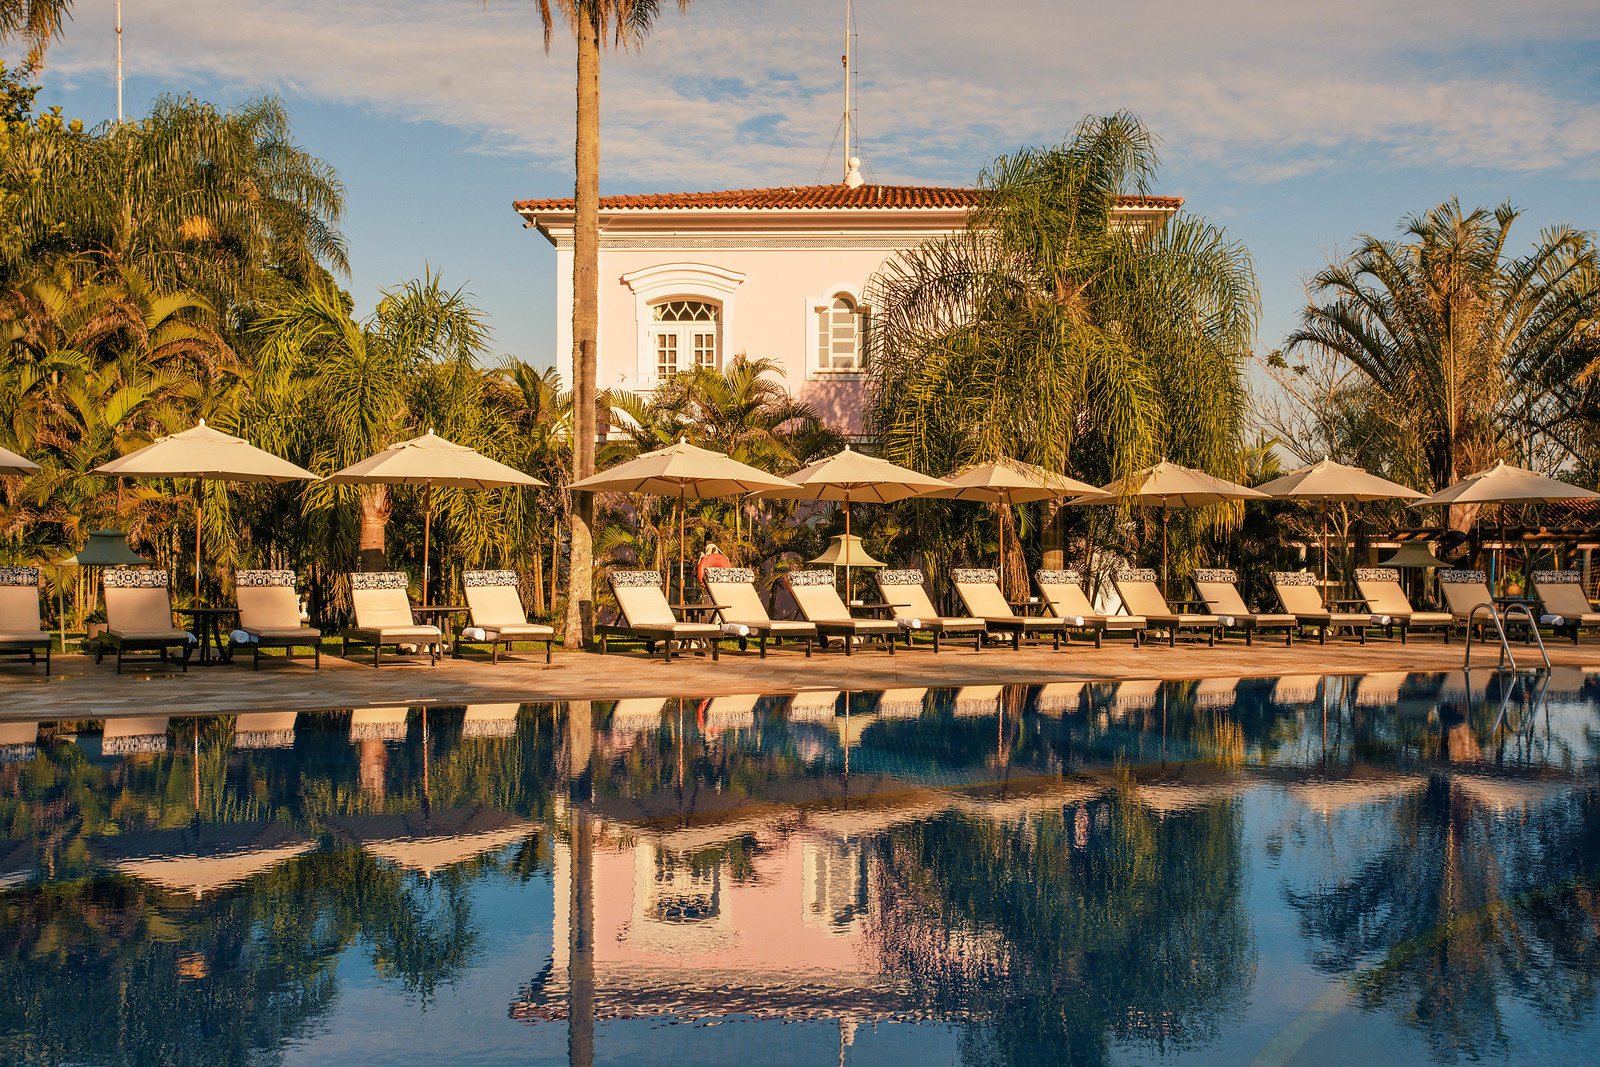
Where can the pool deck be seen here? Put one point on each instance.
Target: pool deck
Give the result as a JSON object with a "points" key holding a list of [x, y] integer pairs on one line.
{"points": [[78, 689]]}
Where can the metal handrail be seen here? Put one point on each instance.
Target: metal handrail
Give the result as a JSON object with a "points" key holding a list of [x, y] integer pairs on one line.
{"points": [[1505, 646]]}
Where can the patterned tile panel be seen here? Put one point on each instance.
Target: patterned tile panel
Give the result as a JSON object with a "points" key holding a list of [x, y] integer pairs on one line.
{"points": [[481, 579], [635, 579], [144, 578], [264, 579], [911, 576], [19, 576], [1558, 577], [1067, 577], [1136, 574], [1377, 574], [730, 575], [809, 578], [1463, 577], [975, 576], [1216, 576], [380, 580], [1294, 578]]}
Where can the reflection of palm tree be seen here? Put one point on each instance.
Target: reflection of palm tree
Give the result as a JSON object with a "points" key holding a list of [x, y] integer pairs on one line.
{"points": [[1462, 909], [1135, 930]]}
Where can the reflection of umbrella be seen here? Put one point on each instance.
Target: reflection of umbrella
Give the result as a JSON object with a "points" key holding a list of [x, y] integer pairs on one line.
{"points": [[428, 842], [1505, 484], [847, 547], [203, 453], [430, 460], [686, 472], [1328, 482], [1167, 486], [852, 476], [13, 464], [198, 859], [1008, 482]]}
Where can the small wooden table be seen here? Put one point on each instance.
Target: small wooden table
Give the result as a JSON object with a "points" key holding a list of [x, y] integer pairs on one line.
{"points": [[694, 612], [441, 614], [207, 623]]}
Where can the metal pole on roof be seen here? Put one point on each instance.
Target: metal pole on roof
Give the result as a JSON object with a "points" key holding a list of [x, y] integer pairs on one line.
{"points": [[119, 62]]}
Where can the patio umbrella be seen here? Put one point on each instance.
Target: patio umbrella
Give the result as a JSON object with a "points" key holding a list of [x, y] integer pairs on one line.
{"points": [[1328, 482], [105, 548], [1167, 486], [430, 460], [1505, 484], [1414, 554], [13, 464], [1008, 482], [852, 476], [838, 551], [204, 454], [686, 472]]}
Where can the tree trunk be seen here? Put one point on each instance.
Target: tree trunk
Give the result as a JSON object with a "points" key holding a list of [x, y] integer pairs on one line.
{"points": [[538, 577], [374, 521], [579, 627], [1054, 536]]}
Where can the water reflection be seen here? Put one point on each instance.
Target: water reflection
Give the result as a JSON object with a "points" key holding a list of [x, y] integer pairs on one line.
{"points": [[1078, 872]]}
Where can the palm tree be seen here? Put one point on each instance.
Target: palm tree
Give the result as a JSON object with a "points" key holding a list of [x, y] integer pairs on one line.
{"points": [[1048, 328], [35, 21], [1456, 338], [627, 22]]}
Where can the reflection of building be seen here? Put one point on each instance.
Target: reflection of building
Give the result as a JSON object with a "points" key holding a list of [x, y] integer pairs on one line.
{"points": [[833, 885]]}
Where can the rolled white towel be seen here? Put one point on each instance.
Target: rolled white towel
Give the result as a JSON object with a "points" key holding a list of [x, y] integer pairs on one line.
{"points": [[736, 629], [1226, 620], [1553, 620], [905, 622], [1382, 620], [1073, 620], [474, 633], [239, 637]]}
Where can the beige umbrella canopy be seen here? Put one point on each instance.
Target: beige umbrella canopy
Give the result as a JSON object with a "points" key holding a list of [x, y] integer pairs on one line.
{"points": [[847, 546], [13, 464], [1414, 554], [1328, 482], [685, 471], [204, 454], [1008, 482], [430, 460], [201, 858], [1167, 486], [854, 477], [1505, 484]]}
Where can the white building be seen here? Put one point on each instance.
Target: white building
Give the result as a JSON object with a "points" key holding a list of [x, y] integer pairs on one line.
{"points": [[692, 279]]}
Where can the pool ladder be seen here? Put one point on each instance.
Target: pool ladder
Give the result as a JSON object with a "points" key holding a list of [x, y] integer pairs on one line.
{"points": [[1498, 618]]}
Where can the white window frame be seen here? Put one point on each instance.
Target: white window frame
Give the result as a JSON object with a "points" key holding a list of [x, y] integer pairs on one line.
{"points": [[679, 281], [815, 307], [686, 335]]}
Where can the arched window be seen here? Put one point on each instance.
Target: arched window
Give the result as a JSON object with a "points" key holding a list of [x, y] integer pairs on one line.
{"points": [[841, 335], [685, 334]]}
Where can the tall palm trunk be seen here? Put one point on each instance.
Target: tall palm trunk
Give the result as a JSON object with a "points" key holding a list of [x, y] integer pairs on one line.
{"points": [[579, 627], [374, 522]]}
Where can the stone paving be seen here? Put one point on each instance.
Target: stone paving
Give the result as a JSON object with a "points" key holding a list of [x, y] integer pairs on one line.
{"points": [[79, 689]]}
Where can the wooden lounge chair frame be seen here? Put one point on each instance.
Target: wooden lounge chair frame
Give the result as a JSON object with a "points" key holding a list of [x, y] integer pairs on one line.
{"points": [[1062, 593], [1380, 589], [1137, 588], [903, 590], [642, 598], [380, 602], [21, 624], [496, 609], [1560, 593], [269, 612], [1297, 590], [1219, 588], [733, 591], [817, 596], [979, 589], [135, 596]]}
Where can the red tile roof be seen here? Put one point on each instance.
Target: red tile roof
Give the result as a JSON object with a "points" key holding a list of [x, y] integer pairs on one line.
{"points": [[812, 196]]}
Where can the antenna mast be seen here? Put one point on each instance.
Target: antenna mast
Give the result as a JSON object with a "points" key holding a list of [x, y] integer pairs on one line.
{"points": [[852, 163], [119, 62]]}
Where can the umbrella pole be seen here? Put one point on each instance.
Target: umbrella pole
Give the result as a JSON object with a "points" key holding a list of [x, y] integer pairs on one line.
{"points": [[1166, 516], [683, 596], [1000, 568], [198, 499], [427, 531]]}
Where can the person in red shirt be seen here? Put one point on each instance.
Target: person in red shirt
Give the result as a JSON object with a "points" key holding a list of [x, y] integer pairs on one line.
{"points": [[711, 557]]}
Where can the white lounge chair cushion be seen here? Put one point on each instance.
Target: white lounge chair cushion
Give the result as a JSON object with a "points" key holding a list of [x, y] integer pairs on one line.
{"points": [[427, 634]]}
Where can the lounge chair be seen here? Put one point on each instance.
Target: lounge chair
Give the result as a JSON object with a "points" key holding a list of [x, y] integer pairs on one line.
{"points": [[383, 616], [1219, 588], [1380, 588], [646, 614], [817, 597], [1297, 590], [1564, 604], [497, 611], [1137, 588], [1464, 590], [1063, 595], [21, 628], [914, 611], [980, 592], [139, 616], [733, 591], [269, 612]]}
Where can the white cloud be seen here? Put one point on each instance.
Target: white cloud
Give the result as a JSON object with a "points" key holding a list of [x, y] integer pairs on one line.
{"points": [[736, 94]]}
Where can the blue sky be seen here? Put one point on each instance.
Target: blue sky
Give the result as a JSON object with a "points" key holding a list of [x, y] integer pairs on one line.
{"points": [[1294, 125]]}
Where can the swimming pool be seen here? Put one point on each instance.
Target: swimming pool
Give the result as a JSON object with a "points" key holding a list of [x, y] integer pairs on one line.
{"points": [[1293, 870]]}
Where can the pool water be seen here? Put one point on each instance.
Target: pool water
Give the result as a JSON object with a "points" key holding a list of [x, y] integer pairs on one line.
{"points": [[1269, 871]]}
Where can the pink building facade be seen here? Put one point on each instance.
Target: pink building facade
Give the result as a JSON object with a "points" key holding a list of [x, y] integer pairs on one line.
{"points": [[694, 279]]}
